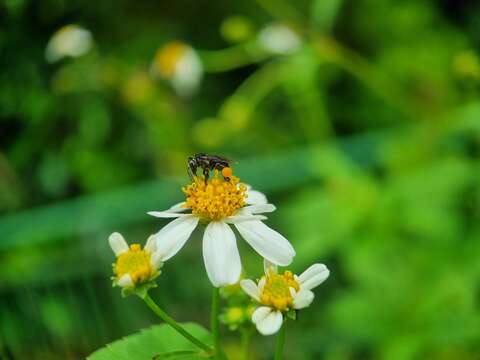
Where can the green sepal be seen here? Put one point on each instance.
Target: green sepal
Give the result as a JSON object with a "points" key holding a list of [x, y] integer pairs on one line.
{"points": [[291, 314], [140, 290]]}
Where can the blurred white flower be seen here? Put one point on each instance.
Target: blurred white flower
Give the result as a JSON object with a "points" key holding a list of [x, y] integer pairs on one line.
{"points": [[217, 203], [279, 293], [134, 266], [180, 64], [70, 40], [279, 39]]}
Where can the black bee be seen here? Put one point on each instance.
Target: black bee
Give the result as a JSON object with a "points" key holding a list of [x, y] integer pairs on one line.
{"points": [[207, 163]]}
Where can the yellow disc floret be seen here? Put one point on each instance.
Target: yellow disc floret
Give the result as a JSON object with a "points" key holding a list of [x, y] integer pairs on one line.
{"points": [[276, 292], [136, 262], [215, 198], [167, 58]]}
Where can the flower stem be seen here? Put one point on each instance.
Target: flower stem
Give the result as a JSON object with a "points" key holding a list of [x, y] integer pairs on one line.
{"points": [[179, 328], [280, 341], [214, 322], [246, 337]]}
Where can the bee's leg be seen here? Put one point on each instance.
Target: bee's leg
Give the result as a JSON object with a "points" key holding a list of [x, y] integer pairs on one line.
{"points": [[206, 174], [192, 171]]}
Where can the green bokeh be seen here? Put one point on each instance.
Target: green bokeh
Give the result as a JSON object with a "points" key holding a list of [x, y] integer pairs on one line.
{"points": [[365, 135]]}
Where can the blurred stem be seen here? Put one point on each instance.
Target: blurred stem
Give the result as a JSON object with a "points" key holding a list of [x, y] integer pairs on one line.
{"points": [[214, 321], [281, 9], [231, 58], [330, 50], [245, 342], [179, 328], [280, 341]]}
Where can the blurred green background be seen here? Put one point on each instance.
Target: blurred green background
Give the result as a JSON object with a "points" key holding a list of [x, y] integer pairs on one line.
{"points": [[359, 119]]}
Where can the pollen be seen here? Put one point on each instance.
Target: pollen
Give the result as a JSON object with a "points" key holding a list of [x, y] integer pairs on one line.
{"points": [[276, 292], [136, 262], [227, 172], [167, 58], [216, 198]]}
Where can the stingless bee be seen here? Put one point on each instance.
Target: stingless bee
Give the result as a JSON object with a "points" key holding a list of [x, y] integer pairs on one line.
{"points": [[208, 163]]}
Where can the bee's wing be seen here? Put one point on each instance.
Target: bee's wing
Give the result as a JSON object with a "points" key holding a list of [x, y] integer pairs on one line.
{"points": [[226, 159]]}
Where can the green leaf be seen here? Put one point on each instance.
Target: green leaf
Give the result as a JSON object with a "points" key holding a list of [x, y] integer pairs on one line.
{"points": [[157, 342], [181, 354]]}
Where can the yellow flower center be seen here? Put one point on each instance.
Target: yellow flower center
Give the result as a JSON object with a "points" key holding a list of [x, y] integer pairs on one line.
{"points": [[215, 199], [276, 292], [135, 262], [167, 57]]}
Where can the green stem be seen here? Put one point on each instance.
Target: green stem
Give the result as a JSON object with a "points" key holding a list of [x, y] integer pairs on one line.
{"points": [[246, 337], [231, 58], [170, 321], [280, 341], [214, 322]]}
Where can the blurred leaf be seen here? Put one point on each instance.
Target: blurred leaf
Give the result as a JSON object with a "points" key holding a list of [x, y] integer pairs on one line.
{"points": [[324, 14], [129, 205]]}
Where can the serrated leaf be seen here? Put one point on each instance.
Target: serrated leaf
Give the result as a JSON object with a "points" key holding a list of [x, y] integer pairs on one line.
{"points": [[155, 342]]}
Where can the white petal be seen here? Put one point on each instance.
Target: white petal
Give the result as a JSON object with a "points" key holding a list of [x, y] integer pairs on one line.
{"points": [[220, 254], [269, 267], [241, 216], [313, 276], [166, 214], [251, 289], [151, 245], [267, 242], [255, 197], [302, 299], [261, 284], [171, 238], [117, 243], [156, 260], [125, 281], [178, 207], [259, 208], [260, 313], [267, 320], [188, 73]]}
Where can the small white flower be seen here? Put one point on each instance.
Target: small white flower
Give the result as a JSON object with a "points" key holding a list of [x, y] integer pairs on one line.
{"points": [[180, 64], [279, 39], [279, 293], [70, 40], [219, 204], [134, 266]]}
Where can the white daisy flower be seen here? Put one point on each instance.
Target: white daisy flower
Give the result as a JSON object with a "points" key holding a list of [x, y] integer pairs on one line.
{"points": [[134, 266], [180, 64], [70, 40], [218, 204], [279, 293], [279, 39]]}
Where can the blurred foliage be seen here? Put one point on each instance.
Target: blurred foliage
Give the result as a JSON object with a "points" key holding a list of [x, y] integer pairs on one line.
{"points": [[360, 120]]}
